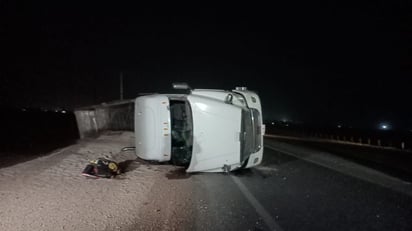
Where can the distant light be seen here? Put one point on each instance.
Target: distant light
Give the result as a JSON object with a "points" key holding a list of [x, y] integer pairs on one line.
{"points": [[384, 126], [63, 111], [273, 123], [339, 126], [23, 109], [287, 125], [284, 120]]}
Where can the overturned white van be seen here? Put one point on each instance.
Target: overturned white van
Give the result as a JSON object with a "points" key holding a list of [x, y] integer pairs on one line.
{"points": [[204, 130]]}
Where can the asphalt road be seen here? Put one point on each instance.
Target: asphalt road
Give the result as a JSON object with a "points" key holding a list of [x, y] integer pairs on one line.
{"points": [[296, 188]]}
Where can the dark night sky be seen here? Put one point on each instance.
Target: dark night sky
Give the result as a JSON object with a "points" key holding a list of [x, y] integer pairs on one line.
{"points": [[309, 62]]}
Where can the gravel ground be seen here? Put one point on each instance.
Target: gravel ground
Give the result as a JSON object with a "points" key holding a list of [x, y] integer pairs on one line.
{"points": [[49, 193]]}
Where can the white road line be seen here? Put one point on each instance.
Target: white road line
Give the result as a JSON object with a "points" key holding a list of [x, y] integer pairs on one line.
{"points": [[258, 207], [352, 169], [267, 168]]}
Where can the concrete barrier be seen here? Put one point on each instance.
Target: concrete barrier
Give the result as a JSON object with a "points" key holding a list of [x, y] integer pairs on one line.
{"points": [[93, 120]]}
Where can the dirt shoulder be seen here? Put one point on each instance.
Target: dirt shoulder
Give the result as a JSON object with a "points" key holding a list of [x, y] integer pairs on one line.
{"points": [[49, 193]]}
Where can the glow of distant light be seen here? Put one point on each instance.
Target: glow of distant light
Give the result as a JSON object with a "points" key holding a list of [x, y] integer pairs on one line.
{"points": [[384, 126]]}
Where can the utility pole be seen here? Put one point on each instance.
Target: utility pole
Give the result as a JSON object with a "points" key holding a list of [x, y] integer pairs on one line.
{"points": [[121, 85]]}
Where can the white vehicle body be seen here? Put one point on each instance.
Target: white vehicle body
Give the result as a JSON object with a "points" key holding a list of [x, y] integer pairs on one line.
{"points": [[206, 130]]}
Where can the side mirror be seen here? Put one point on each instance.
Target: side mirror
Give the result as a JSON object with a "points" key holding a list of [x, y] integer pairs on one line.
{"points": [[181, 86]]}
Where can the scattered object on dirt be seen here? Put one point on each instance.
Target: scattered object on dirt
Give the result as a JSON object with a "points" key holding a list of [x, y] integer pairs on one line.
{"points": [[101, 167], [128, 149]]}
